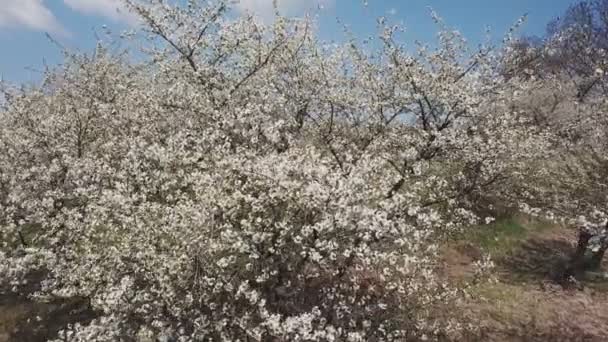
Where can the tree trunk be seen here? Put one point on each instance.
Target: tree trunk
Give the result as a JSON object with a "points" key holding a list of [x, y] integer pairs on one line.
{"points": [[597, 257], [576, 265]]}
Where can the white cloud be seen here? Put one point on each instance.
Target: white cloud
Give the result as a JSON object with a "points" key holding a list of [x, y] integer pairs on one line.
{"points": [[265, 9], [30, 14], [113, 9]]}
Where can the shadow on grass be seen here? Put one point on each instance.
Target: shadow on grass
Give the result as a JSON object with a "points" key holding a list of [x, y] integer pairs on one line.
{"points": [[536, 259], [26, 320]]}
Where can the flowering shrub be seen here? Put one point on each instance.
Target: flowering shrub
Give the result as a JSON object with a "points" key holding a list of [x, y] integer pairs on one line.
{"points": [[247, 183]]}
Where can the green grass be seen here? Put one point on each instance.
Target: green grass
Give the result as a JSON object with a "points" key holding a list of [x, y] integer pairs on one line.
{"points": [[499, 237], [504, 236]]}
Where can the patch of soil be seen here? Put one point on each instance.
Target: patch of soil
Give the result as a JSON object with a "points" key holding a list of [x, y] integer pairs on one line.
{"points": [[540, 315], [457, 261]]}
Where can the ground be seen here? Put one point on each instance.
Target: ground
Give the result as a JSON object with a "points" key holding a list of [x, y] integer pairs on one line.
{"points": [[22, 320], [521, 303]]}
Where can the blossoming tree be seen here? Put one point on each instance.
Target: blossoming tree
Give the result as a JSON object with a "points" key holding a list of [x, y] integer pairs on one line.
{"points": [[249, 183], [568, 92]]}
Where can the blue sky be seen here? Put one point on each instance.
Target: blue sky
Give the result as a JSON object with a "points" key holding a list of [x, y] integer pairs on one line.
{"points": [[73, 23]]}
